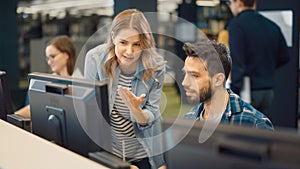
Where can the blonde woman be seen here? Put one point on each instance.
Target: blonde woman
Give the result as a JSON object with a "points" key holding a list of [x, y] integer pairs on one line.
{"points": [[135, 72]]}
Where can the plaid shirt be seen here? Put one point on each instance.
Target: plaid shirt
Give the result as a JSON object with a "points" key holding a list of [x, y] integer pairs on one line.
{"points": [[238, 112]]}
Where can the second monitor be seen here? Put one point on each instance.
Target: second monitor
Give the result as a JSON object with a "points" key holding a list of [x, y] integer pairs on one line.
{"points": [[70, 112]]}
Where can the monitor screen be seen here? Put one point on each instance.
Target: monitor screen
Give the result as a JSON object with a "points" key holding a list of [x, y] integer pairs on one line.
{"points": [[5, 98], [229, 147], [71, 112]]}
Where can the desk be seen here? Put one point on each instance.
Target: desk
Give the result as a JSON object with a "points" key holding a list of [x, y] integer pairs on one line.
{"points": [[20, 149]]}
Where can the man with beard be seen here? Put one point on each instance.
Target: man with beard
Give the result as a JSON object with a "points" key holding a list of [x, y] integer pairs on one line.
{"points": [[206, 70]]}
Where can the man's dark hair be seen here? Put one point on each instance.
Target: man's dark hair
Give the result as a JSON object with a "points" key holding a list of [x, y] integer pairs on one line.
{"points": [[248, 3], [215, 56]]}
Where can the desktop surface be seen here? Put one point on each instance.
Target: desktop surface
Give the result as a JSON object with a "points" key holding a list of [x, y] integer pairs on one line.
{"points": [[24, 150]]}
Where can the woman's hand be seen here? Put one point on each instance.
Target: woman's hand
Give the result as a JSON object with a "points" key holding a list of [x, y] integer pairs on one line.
{"points": [[130, 100], [134, 104]]}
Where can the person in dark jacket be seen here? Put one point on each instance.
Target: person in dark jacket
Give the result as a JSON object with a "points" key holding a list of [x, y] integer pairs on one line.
{"points": [[258, 48]]}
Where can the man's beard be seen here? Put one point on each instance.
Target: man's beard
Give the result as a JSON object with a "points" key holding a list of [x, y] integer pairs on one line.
{"points": [[204, 95]]}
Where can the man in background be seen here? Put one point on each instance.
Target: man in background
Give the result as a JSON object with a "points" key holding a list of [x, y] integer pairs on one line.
{"points": [[257, 48]]}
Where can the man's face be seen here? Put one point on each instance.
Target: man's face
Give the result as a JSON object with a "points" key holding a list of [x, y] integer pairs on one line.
{"points": [[196, 82]]}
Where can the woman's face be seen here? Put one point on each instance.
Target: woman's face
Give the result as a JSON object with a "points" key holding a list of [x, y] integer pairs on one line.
{"points": [[128, 48], [56, 59]]}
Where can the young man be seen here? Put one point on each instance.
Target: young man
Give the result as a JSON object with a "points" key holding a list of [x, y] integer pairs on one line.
{"points": [[206, 69], [257, 49]]}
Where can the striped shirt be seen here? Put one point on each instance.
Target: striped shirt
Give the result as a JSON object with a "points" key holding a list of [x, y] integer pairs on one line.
{"points": [[124, 141]]}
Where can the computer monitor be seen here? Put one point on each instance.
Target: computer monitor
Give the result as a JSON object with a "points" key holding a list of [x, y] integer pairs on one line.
{"points": [[5, 99], [73, 113], [230, 147]]}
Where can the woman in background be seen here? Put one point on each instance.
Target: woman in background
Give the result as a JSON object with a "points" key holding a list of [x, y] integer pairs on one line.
{"points": [[61, 57]]}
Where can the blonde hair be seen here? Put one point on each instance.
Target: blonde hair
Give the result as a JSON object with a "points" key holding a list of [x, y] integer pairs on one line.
{"points": [[133, 19]]}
